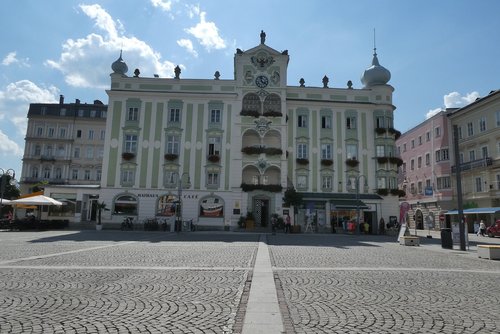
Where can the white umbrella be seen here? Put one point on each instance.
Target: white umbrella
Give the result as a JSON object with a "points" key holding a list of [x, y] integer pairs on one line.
{"points": [[36, 200], [5, 201]]}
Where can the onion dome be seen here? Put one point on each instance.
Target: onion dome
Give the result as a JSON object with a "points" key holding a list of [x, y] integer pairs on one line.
{"points": [[119, 66], [375, 74]]}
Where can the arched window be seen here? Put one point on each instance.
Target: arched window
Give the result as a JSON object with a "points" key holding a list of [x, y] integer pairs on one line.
{"points": [[251, 103], [272, 104], [125, 205]]}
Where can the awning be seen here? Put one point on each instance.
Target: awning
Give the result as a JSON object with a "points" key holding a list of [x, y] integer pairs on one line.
{"points": [[474, 211], [347, 204]]}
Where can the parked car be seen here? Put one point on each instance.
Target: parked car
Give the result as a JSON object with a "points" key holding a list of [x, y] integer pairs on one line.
{"points": [[494, 230]]}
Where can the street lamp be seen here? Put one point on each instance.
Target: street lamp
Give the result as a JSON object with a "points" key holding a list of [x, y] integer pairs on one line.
{"points": [[4, 175], [357, 201], [178, 218]]}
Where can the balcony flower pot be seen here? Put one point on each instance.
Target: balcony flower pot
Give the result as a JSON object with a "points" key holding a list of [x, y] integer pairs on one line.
{"points": [[382, 160], [213, 158], [352, 163], [302, 161], [128, 155], [253, 113], [171, 156], [273, 151], [271, 113], [380, 131], [383, 191], [326, 162], [252, 150]]}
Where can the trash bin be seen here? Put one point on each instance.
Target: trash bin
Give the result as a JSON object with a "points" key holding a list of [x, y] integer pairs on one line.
{"points": [[446, 240]]}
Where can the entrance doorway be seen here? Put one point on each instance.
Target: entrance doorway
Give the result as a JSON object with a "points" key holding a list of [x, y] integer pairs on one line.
{"points": [[261, 211], [419, 219]]}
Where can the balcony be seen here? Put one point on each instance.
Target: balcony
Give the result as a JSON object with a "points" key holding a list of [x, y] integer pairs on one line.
{"points": [[484, 162]]}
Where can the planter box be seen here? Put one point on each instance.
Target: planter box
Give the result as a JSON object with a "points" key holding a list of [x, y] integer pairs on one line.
{"points": [[491, 252], [295, 229], [409, 241]]}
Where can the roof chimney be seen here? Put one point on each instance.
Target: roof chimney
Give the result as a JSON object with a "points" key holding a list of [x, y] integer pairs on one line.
{"points": [[61, 99], [77, 101]]}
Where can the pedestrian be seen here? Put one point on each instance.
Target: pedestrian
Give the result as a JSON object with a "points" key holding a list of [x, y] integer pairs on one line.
{"points": [[482, 228], [288, 223], [366, 227]]}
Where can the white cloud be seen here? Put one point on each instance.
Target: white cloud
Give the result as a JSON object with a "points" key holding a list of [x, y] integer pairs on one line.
{"points": [[9, 146], [454, 100], [86, 62], [207, 34], [12, 59], [188, 45], [162, 4], [193, 10]]}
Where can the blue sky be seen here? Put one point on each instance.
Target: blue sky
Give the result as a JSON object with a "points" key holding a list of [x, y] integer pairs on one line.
{"points": [[440, 53]]}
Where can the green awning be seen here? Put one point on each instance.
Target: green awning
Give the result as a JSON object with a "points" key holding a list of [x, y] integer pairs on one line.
{"points": [[347, 204]]}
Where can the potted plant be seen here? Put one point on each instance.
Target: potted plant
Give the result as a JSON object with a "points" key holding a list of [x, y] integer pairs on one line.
{"points": [[352, 162], [241, 222], [128, 155], [213, 158], [171, 156], [101, 206]]}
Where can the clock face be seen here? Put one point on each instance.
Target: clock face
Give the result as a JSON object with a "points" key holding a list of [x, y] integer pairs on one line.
{"points": [[261, 81]]}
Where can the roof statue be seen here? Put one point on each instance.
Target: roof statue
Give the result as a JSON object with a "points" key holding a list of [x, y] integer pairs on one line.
{"points": [[119, 66]]}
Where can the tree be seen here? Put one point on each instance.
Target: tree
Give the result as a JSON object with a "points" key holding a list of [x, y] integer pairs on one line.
{"points": [[101, 206], [292, 197], [10, 191]]}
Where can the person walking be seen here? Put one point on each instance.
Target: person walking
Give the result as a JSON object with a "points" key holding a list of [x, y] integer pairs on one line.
{"points": [[288, 223], [482, 228]]}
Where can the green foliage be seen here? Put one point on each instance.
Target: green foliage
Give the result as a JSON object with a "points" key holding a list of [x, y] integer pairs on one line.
{"points": [[292, 197]]}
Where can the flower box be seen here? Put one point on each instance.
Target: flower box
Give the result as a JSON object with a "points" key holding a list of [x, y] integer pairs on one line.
{"points": [[213, 158], [171, 156], [326, 162], [352, 162], [128, 155], [302, 161]]}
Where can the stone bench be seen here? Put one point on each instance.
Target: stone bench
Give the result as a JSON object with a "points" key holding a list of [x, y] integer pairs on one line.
{"points": [[409, 241], [491, 252]]}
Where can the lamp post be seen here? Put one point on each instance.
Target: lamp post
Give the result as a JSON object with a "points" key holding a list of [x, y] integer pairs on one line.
{"points": [[178, 218], [357, 201], [4, 175]]}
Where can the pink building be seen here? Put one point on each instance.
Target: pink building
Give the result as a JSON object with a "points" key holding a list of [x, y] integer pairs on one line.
{"points": [[425, 176]]}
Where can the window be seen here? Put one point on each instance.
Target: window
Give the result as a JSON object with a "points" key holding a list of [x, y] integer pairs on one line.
{"points": [[326, 182], [443, 182], [74, 174], [174, 115], [482, 124], [484, 151], [437, 131], [133, 114], [381, 183], [445, 154], [48, 151], [428, 136], [497, 118], [34, 172], [352, 151], [380, 122], [91, 134], [100, 152], [461, 157], [326, 151], [172, 144], [413, 143], [326, 122], [264, 179], [412, 164], [93, 113], [419, 187], [125, 205], [302, 121], [213, 179], [103, 134], [412, 188], [460, 136], [39, 131], [427, 159], [38, 150], [46, 173], [62, 133], [127, 176], [255, 179], [80, 113], [419, 140], [380, 151], [351, 122], [98, 174], [104, 114], [86, 175], [470, 129], [214, 144], [51, 132], [302, 181], [302, 151], [472, 155], [62, 112], [215, 116], [78, 133], [498, 181], [131, 143], [404, 147], [61, 151], [479, 184], [427, 183], [404, 167], [90, 152], [419, 162], [76, 153]]}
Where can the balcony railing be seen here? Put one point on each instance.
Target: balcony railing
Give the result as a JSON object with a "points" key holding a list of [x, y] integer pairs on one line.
{"points": [[484, 162]]}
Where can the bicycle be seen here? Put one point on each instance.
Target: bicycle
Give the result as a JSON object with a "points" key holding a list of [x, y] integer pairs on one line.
{"points": [[127, 224]]}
